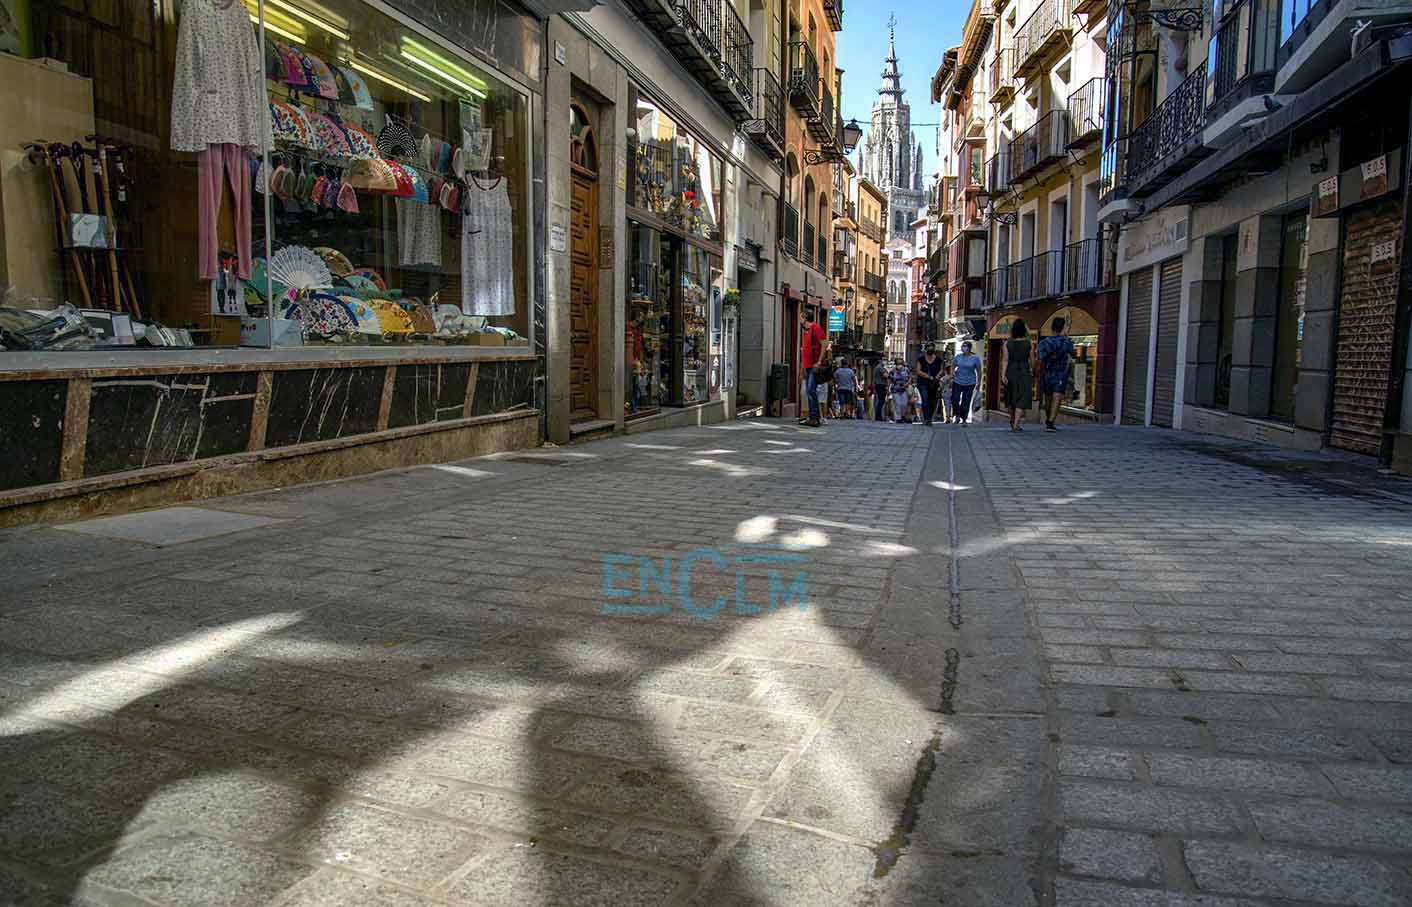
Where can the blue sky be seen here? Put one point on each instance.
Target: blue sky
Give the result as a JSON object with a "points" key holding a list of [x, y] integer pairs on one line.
{"points": [[924, 31]]}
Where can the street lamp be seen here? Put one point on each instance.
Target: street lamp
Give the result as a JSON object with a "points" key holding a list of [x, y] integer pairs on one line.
{"points": [[852, 133]]}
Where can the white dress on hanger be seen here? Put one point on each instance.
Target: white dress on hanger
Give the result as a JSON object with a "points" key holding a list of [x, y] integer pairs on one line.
{"points": [[218, 90], [488, 251], [419, 225]]}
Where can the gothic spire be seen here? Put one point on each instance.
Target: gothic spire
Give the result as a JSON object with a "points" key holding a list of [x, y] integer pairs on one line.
{"points": [[892, 84]]}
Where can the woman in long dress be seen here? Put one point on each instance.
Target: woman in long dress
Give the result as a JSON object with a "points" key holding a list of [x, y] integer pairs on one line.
{"points": [[1017, 372]]}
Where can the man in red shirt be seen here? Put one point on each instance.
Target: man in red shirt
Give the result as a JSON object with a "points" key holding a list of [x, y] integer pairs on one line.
{"points": [[810, 354]]}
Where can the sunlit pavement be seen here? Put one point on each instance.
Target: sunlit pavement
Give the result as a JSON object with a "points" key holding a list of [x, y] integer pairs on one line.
{"points": [[744, 664]]}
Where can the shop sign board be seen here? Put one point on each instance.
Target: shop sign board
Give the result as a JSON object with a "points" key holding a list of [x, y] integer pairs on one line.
{"points": [[1155, 238], [836, 322]]}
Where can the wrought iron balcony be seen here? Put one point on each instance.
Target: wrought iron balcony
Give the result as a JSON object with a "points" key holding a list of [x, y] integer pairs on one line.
{"points": [[1043, 143], [737, 53], [872, 282], [1241, 59], [997, 172], [710, 39], [1002, 77], [833, 11], [1171, 135], [824, 127], [766, 126], [804, 81], [842, 267], [821, 257], [789, 230], [806, 247], [1088, 266], [1047, 29], [1086, 112]]}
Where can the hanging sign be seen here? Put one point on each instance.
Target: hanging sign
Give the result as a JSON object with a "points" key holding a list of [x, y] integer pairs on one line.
{"points": [[1326, 198], [836, 318]]}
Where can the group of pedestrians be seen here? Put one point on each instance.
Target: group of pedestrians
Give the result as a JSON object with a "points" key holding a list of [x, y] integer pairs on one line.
{"points": [[1021, 361], [835, 388]]}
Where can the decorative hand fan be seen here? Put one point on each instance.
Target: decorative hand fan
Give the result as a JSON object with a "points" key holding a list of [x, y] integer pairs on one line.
{"points": [[372, 275], [396, 140], [338, 263], [300, 267]]}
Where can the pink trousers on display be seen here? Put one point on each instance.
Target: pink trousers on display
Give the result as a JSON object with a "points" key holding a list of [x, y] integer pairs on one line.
{"points": [[213, 165]]}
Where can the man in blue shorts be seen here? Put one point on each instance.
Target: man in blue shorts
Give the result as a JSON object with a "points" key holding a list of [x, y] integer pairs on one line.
{"points": [[1054, 351]]}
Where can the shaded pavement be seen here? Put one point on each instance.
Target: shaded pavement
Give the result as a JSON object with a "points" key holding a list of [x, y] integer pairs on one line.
{"points": [[1111, 666]]}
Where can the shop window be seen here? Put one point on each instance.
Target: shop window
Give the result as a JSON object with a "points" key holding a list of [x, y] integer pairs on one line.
{"points": [[653, 143], [359, 184], [649, 320]]}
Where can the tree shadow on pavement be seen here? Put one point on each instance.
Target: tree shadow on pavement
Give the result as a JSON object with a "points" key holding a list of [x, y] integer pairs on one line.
{"points": [[429, 705]]}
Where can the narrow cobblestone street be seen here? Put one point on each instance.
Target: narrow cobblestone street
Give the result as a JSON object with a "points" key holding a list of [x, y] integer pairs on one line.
{"points": [[742, 664]]}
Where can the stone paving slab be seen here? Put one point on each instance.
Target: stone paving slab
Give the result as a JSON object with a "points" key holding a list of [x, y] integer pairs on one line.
{"points": [[1103, 667]]}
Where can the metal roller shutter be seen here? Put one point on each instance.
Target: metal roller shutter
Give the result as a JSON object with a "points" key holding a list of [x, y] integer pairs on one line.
{"points": [[1136, 346], [1169, 306], [1367, 316]]}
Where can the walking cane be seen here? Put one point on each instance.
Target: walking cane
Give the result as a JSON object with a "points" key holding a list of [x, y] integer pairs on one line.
{"points": [[55, 156], [100, 160], [125, 270]]}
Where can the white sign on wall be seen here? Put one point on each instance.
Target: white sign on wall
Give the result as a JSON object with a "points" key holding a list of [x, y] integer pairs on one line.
{"points": [[1154, 238]]}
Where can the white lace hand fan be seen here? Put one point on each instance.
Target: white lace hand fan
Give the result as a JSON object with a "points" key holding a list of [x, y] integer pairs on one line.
{"points": [[300, 268]]}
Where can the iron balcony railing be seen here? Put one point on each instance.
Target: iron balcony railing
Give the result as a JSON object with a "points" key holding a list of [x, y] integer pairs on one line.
{"points": [[702, 18], [1112, 171], [1242, 53], [1168, 129], [1044, 142], [870, 229], [1088, 266], [767, 126], [806, 248], [842, 268], [822, 256], [738, 52], [1002, 76], [789, 230], [804, 82], [833, 11], [997, 171], [1082, 267], [822, 125], [872, 282], [1086, 111], [1047, 26]]}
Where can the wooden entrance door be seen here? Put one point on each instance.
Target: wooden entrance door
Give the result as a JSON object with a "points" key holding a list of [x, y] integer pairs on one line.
{"points": [[583, 297]]}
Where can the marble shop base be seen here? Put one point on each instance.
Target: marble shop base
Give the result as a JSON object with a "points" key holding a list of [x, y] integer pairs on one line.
{"points": [[315, 461]]}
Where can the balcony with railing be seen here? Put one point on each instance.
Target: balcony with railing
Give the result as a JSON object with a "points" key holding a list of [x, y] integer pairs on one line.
{"points": [[1082, 267], [873, 283], [842, 267], [804, 81], [1241, 57], [712, 41], [806, 247], [997, 172], [824, 127], [870, 229], [1002, 77], [789, 230], [1042, 144], [1086, 112], [766, 125], [737, 55], [821, 254], [1047, 30], [1088, 266], [1168, 139], [833, 11]]}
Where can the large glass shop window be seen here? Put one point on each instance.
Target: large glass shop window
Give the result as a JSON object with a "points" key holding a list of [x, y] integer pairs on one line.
{"points": [[649, 322], [397, 180]]}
